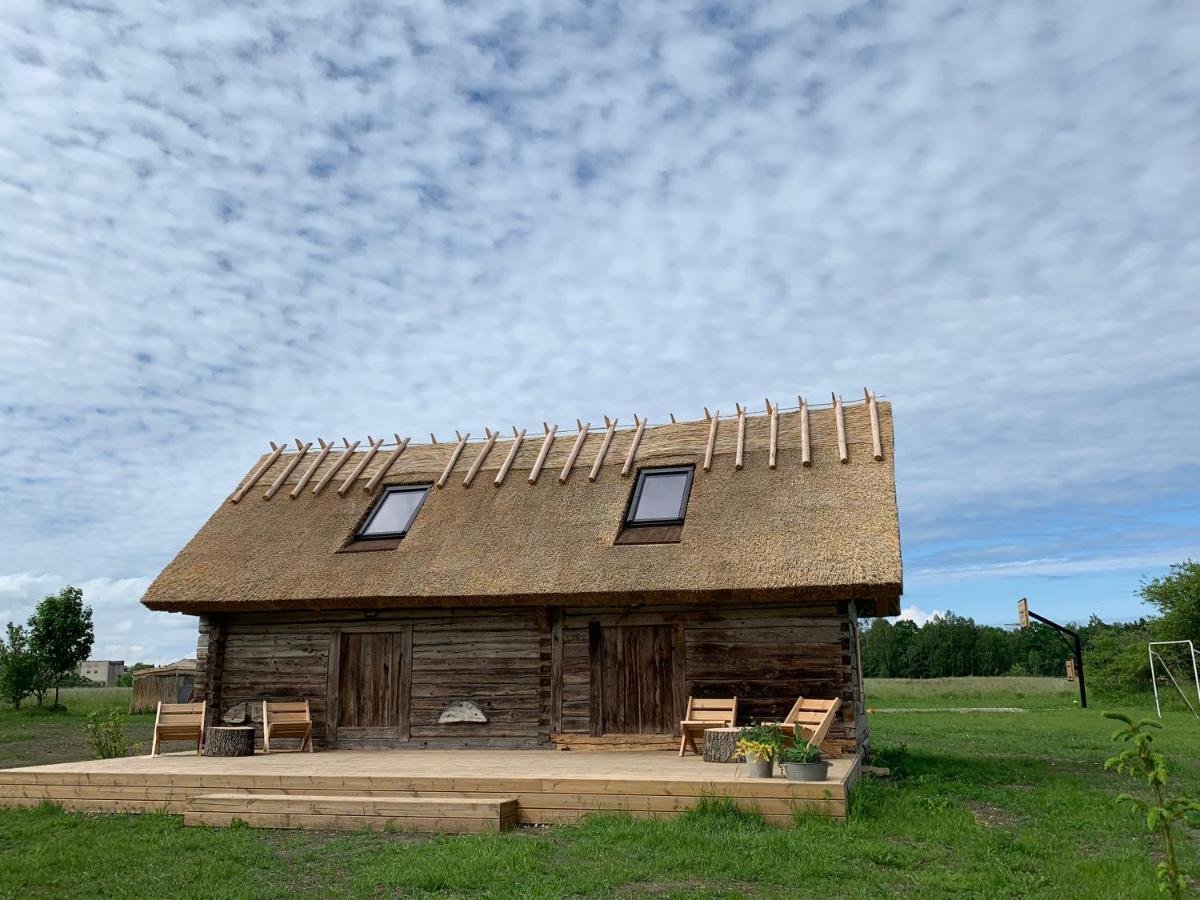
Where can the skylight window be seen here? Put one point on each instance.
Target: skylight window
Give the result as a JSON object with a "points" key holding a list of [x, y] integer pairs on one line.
{"points": [[394, 513], [660, 496]]}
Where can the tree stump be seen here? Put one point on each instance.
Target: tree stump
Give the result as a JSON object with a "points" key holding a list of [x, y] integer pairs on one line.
{"points": [[720, 744], [222, 741]]}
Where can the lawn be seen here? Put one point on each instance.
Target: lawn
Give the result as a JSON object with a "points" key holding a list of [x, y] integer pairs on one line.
{"points": [[981, 805], [34, 735]]}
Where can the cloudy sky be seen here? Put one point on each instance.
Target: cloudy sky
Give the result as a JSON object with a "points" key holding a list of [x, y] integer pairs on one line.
{"points": [[222, 223]]}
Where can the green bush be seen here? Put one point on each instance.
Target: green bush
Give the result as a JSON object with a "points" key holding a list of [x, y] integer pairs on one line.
{"points": [[104, 734]]}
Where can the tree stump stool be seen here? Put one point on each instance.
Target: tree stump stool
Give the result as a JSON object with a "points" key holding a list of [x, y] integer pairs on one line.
{"points": [[226, 741], [720, 745]]}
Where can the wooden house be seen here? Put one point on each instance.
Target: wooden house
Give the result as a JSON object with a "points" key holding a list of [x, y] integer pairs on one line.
{"points": [[552, 588]]}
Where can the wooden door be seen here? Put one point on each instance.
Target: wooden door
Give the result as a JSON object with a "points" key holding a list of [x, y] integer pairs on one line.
{"points": [[636, 679], [372, 688]]}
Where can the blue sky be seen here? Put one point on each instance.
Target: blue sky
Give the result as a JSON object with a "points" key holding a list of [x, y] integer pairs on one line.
{"points": [[226, 223]]}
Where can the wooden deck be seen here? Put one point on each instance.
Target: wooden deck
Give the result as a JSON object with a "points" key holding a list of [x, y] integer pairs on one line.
{"points": [[549, 787]]}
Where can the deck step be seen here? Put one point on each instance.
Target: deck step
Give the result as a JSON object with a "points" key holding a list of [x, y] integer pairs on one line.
{"points": [[443, 815]]}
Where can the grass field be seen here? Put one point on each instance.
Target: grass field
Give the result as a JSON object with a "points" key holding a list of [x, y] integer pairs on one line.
{"points": [[982, 805], [34, 735]]}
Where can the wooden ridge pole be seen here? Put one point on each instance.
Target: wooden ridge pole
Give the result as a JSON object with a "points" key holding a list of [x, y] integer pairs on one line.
{"points": [[583, 433], [311, 470], [258, 473], [458, 449], [487, 448], [337, 465], [288, 469], [387, 464], [773, 411], [633, 448], [512, 455], [741, 437], [541, 457], [608, 436], [712, 441], [876, 443], [361, 467], [840, 420], [805, 448]]}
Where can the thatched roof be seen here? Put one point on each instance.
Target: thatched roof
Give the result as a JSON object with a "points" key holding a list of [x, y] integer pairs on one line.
{"points": [[824, 531]]}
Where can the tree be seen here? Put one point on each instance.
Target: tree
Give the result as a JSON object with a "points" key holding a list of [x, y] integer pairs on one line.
{"points": [[126, 680], [19, 666], [61, 634], [1177, 597]]}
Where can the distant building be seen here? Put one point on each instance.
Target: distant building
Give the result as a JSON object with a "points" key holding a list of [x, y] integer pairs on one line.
{"points": [[103, 671]]}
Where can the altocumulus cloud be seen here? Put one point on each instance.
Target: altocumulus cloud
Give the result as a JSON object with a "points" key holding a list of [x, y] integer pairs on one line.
{"points": [[224, 223]]}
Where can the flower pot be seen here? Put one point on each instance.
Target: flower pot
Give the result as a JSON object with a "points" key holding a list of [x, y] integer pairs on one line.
{"points": [[757, 767], [813, 771]]}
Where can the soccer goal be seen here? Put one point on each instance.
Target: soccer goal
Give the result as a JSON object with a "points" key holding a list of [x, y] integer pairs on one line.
{"points": [[1184, 656]]}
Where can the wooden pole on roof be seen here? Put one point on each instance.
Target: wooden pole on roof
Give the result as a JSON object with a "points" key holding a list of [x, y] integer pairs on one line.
{"points": [[288, 469], [458, 449], [337, 465], [637, 439], [840, 419], [541, 457], [608, 436], [583, 433], [805, 447], [258, 473], [512, 455], [362, 465], [741, 437], [773, 411], [712, 441], [487, 448], [876, 443], [311, 470], [387, 464]]}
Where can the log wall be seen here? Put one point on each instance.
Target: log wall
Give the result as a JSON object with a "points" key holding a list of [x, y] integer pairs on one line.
{"points": [[531, 670]]}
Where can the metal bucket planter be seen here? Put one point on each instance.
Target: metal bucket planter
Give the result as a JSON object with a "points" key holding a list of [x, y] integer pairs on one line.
{"points": [[757, 767], [813, 771]]}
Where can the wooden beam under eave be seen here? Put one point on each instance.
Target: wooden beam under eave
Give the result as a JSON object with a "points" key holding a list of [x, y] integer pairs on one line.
{"points": [[257, 474], [876, 443], [302, 451], [361, 467], [774, 449], [583, 433], [387, 464], [337, 466], [487, 448], [712, 441], [840, 419], [739, 457], [458, 449], [633, 448], [805, 446], [608, 436], [547, 442], [512, 455], [311, 470]]}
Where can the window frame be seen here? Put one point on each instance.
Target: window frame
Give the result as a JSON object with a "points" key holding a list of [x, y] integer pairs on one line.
{"points": [[361, 535], [636, 497]]}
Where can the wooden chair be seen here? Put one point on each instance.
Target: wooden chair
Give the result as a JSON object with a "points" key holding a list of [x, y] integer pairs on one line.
{"points": [[812, 719], [179, 722], [705, 713], [287, 719]]}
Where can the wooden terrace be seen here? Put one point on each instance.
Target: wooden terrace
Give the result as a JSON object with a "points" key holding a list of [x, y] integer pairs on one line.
{"points": [[449, 790]]}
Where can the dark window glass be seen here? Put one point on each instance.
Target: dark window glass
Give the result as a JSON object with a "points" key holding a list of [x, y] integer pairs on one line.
{"points": [[660, 496], [394, 513]]}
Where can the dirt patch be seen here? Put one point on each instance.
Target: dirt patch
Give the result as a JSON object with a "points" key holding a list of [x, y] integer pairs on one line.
{"points": [[993, 816]]}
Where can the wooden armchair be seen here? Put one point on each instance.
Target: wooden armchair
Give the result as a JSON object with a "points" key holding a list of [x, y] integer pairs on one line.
{"points": [[287, 719], [811, 720], [179, 722], [705, 713]]}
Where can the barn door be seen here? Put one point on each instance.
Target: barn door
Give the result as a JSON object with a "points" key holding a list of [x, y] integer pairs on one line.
{"points": [[636, 679], [371, 695]]}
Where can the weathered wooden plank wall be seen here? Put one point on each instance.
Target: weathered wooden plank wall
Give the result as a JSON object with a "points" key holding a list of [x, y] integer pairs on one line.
{"points": [[530, 670]]}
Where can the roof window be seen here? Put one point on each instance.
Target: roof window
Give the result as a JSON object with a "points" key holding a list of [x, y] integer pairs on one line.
{"points": [[660, 496], [394, 512]]}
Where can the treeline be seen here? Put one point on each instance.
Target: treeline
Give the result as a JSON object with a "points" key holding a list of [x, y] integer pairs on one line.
{"points": [[1114, 653], [44, 652]]}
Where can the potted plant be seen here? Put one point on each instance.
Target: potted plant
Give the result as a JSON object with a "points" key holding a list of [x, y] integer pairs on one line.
{"points": [[804, 763], [760, 744]]}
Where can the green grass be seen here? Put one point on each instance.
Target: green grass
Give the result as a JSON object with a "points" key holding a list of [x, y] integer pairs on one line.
{"points": [[34, 735], [983, 805]]}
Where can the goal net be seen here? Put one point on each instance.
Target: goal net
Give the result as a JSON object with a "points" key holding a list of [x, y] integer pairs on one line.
{"points": [[1175, 664]]}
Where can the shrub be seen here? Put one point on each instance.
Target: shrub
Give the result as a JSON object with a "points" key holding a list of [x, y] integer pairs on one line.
{"points": [[763, 741], [104, 734]]}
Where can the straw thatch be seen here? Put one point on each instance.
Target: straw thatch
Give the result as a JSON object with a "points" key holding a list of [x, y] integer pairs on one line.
{"points": [[828, 530]]}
